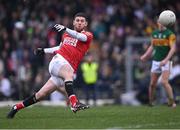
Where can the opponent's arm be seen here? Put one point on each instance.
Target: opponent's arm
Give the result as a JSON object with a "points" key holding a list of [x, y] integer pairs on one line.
{"points": [[80, 36], [148, 53], [172, 40]]}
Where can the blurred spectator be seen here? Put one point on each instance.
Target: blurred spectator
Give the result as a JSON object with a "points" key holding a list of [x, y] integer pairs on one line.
{"points": [[1, 66], [105, 81], [90, 76], [5, 88], [175, 79]]}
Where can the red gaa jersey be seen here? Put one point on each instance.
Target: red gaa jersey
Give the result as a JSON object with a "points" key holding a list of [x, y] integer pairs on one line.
{"points": [[73, 50]]}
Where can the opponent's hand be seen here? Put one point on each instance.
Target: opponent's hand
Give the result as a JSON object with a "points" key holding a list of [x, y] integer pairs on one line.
{"points": [[59, 27], [39, 51], [163, 62], [143, 58]]}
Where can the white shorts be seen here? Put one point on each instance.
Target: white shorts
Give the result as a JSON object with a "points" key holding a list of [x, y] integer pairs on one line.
{"points": [[54, 66], [156, 68]]}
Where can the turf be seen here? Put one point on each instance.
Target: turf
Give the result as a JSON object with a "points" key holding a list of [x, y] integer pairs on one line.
{"points": [[95, 118]]}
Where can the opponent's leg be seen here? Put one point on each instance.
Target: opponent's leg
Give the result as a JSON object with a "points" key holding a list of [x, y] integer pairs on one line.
{"points": [[152, 87], [168, 88]]}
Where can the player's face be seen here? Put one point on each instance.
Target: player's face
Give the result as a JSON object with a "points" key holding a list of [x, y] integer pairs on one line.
{"points": [[79, 23]]}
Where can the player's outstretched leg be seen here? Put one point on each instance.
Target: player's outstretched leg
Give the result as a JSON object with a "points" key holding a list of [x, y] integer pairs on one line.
{"points": [[12, 112], [27, 102]]}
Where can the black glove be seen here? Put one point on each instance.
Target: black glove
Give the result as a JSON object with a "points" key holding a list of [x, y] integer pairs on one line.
{"points": [[59, 28], [39, 51]]}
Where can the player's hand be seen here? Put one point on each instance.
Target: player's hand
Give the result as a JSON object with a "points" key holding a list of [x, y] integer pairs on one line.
{"points": [[59, 28], [39, 51]]}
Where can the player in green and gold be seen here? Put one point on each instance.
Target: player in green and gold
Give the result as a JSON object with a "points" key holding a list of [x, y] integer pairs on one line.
{"points": [[162, 48]]}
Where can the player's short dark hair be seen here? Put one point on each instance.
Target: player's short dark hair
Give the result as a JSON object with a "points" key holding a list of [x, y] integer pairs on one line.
{"points": [[81, 14]]}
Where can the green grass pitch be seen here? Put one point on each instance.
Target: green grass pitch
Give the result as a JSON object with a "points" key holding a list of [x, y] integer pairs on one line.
{"points": [[105, 117]]}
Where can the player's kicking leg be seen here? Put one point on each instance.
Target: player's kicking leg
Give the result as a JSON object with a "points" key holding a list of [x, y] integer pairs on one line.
{"points": [[48, 88], [69, 99], [75, 104], [79, 106], [67, 72]]}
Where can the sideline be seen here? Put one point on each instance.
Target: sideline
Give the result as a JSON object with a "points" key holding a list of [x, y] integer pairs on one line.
{"points": [[99, 102]]}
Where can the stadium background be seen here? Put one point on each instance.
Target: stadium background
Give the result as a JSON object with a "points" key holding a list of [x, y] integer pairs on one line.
{"points": [[25, 25]]}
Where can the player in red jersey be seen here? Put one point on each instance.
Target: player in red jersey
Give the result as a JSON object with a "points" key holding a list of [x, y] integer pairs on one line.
{"points": [[63, 65]]}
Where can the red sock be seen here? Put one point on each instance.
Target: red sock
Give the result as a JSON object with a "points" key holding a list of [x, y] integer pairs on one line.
{"points": [[73, 100], [19, 106]]}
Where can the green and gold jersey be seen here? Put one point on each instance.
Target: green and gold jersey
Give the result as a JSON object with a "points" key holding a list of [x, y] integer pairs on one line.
{"points": [[162, 42]]}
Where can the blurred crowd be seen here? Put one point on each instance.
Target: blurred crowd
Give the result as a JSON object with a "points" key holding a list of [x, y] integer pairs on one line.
{"points": [[26, 25]]}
